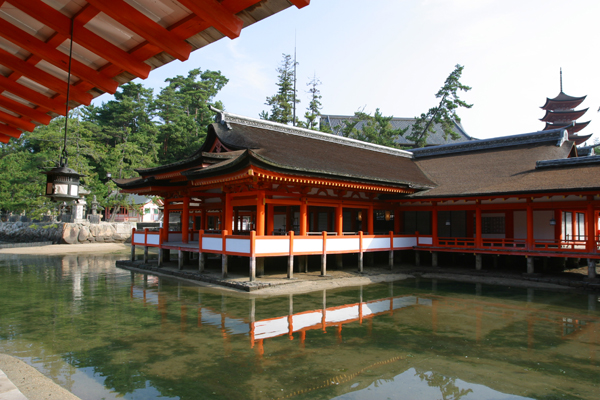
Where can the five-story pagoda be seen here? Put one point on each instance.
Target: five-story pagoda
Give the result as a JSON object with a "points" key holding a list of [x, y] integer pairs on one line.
{"points": [[560, 112]]}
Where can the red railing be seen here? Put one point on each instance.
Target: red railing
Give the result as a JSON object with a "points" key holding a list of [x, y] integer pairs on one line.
{"points": [[503, 243], [561, 245], [456, 242]]}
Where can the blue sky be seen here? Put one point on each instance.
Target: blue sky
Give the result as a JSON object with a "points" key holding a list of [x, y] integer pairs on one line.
{"points": [[395, 55]]}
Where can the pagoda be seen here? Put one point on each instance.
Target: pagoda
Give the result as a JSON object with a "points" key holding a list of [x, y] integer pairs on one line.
{"points": [[560, 112]]}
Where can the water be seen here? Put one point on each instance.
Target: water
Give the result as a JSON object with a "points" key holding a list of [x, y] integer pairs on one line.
{"points": [[104, 333]]}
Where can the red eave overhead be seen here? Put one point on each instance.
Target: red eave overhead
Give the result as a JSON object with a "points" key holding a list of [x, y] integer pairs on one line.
{"points": [[115, 41]]}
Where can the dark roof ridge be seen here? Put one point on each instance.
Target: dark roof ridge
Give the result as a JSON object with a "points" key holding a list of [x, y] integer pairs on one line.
{"points": [[226, 118], [559, 135], [567, 162]]}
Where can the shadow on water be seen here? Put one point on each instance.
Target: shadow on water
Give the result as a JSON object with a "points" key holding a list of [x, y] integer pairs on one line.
{"points": [[103, 332]]}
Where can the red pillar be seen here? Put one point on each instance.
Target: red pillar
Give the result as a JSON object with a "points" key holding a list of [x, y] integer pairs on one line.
{"points": [[185, 220], [260, 213], [370, 220], [397, 221], [590, 225], [434, 224], [529, 225], [227, 213], [339, 220], [270, 219], [303, 217]]}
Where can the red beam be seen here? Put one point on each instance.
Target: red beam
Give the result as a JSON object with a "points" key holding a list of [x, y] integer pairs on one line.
{"points": [[31, 95], [10, 131], [25, 111], [4, 138], [43, 78], [300, 3], [137, 22], [215, 14], [55, 57], [62, 24], [15, 121]]}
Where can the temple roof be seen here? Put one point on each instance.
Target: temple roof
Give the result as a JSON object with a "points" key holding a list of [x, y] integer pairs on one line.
{"points": [[562, 101], [568, 126], [563, 115], [335, 122], [503, 166]]}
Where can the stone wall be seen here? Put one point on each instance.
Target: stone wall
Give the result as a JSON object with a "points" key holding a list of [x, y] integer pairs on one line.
{"points": [[66, 233]]}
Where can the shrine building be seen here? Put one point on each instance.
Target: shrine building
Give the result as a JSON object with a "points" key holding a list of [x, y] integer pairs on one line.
{"points": [[260, 189]]}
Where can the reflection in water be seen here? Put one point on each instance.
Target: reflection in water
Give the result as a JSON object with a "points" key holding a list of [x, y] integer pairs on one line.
{"points": [[103, 332]]}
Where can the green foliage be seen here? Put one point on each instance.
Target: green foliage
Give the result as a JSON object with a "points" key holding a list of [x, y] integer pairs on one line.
{"points": [[375, 129], [314, 106], [183, 109], [134, 130], [444, 114], [282, 103]]}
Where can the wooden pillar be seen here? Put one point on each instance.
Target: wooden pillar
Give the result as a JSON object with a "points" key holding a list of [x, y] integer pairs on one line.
{"points": [[260, 266], [145, 254], [478, 262], [530, 268], [227, 214], [270, 219], [417, 258], [260, 214], [165, 229], [360, 252], [529, 225], [434, 224], [339, 220], [591, 268], [252, 271], [434, 259], [370, 221], [203, 220], [397, 221], [185, 220], [224, 265], [161, 255], [180, 260], [303, 217], [132, 252], [478, 240], [591, 226]]}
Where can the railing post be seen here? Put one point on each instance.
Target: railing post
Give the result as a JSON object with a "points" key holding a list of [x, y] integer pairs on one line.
{"points": [[200, 253], [252, 256], [290, 271], [391, 254], [145, 245], [324, 255], [132, 244], [224, 255], [360, 251]]}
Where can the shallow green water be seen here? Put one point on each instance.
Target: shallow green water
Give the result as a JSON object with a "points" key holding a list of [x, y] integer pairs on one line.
{"points": [[104, 333]]}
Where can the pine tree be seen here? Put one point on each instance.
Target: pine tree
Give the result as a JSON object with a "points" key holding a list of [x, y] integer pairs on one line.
{"points": [[314, 106], [444, 114], [375, 129], [282, 103]]}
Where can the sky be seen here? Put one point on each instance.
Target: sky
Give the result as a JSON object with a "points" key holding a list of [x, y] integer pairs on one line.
{"points": [[395, 55]]}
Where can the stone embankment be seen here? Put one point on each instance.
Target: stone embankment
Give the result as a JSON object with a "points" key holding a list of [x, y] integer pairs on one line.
{"points": [[66, 233]]}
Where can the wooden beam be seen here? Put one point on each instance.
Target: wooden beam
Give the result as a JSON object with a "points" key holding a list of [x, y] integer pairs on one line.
{"points": [[137, 22], [58, 59], [4, 138], [15, 121], [31, 95], [10, 131], [215, 14], [86, 38], [25, 111], [300, 3], [43, 78]]}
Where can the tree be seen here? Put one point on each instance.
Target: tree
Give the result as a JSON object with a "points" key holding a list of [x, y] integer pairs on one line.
{"points": [[444, 114], [282, 103], [183, 108], [372, 128], [314, 106]]}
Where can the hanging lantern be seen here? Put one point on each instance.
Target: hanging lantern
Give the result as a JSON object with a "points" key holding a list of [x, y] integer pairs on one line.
{"points": [[360, 215], [387, 215], [62, 183], [552, 221], [448, 223]]}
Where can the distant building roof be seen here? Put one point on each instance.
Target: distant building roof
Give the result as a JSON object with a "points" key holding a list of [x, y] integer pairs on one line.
{"points": [[335, 122]]}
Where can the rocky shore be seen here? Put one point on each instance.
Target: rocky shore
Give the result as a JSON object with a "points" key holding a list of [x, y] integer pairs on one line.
{"points": [[65, 233]]}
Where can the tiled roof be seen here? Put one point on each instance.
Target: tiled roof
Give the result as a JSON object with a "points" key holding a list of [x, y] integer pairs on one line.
{"points": [[434, 139]]}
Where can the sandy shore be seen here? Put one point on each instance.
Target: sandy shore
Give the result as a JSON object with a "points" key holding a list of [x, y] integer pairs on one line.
{"points": [[31, 382], [70, 249]]}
